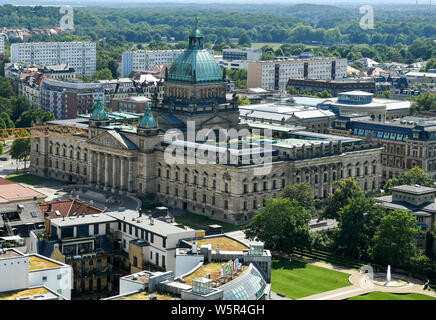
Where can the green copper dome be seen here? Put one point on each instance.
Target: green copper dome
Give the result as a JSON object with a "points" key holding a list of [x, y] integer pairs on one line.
{"points": [[147, 120], [98, 113], [195, 65]]}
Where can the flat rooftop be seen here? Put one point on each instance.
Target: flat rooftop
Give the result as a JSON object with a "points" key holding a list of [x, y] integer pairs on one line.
{"points": [[223, 242], [79, 220], [24, 293], [158, 226], [145, 296], [415, 189], [214, 269], [11, 191], [10, 254], [39, 263]]}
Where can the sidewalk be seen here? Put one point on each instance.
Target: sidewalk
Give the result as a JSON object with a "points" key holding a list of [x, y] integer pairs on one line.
{"points": [[355, 287]]}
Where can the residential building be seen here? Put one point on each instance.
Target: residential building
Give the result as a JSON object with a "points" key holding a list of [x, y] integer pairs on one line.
{"points": [[204, 272], [59, 71], [132, 104], [420, 201], [407, 142], [68, 99], [234, 64], [146, 59], [28, 275], [249, 54], [275, 74], [79, 55]]}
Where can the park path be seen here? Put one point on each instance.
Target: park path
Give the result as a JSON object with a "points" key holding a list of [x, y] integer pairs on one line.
{"points": [[355, 287]]}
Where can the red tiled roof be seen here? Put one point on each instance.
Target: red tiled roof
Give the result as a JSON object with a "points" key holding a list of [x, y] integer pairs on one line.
{"points": [[12, 191], [68, 207]]}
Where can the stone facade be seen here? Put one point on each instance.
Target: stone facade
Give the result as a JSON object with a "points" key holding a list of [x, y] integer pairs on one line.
{"points": [[225, 192]]}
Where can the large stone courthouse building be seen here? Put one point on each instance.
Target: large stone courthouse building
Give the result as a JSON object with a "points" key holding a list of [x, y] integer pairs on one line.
{"points": [[132, 159]]}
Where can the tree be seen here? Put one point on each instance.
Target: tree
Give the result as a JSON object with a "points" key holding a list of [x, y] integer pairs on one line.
{"points": [[6, 90], [20, 150], [245, 39], [358, 221], [33, 116], [302, 193], [424, 102], [282, 224], [103, 74], [431, 64], [394, 242], [413, 176], [344, 190], [243, 100]]}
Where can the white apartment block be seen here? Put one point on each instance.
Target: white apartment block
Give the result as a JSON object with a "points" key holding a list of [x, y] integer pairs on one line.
{"points": [[79, 55], [19, 272], [145, 59], [274, 75], [2, 43], [249, 54]]}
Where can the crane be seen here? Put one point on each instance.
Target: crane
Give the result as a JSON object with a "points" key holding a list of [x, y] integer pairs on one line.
{"points": [[40, 132]]}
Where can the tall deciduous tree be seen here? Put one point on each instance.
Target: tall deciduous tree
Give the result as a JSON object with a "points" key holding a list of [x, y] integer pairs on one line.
{"points": [[302, 193], [344, 190], [357, 225], [395, 239], [282, 225], [413, 176], [20, 150]]}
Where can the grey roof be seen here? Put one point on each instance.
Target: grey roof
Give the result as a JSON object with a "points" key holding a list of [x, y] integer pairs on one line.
{"points": [[79, 220], [386, 201], [123, 140], [159, 227], [25, 213], [415, 189]]}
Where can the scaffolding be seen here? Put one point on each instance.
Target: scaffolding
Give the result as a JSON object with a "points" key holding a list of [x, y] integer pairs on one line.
{"points": [[40, 132]]}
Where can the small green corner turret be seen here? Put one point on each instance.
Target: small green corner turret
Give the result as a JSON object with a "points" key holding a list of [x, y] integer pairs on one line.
{"points": [[99, 113], [147, 120]]}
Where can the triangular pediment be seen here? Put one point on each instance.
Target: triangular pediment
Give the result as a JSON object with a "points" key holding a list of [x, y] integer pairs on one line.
{"points": [[108, 139], [215, 120]]}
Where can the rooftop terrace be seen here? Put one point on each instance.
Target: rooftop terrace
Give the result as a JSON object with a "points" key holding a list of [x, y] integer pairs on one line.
{"points": [[214, 269], [23, 293], [38, 263], [223, 242], [145, 296]]}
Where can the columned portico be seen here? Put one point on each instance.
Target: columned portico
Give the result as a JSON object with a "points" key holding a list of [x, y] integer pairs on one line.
{"points": [[115, 173]]}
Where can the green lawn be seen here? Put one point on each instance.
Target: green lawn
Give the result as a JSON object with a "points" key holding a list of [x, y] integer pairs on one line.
{"points": [[27, 178], [377, 295], [297, 279], [197, 221], [258, 45]]}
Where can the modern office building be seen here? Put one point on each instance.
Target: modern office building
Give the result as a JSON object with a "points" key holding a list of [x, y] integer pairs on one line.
{"points": [[146, 59], [2, 43], [79, 55], [208, 268], [250, 54], [275, 74], [334, 87]]}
